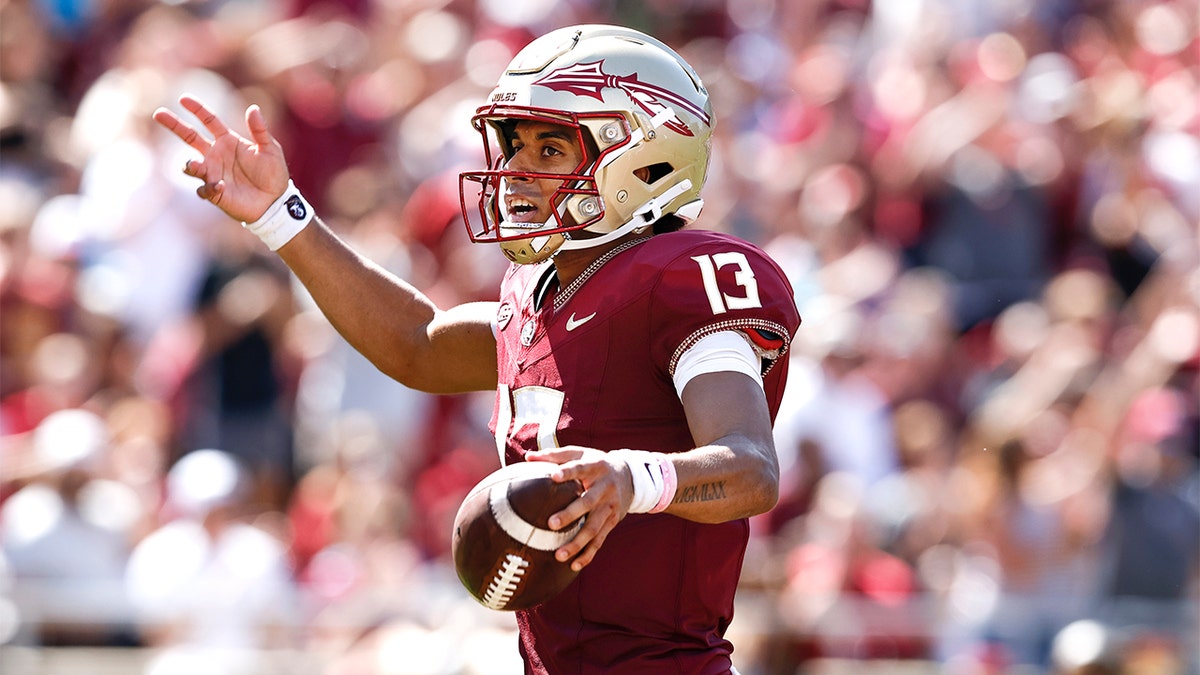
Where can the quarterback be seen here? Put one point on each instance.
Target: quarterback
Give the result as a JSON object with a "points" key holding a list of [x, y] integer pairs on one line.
{"points": [[642, 356]]}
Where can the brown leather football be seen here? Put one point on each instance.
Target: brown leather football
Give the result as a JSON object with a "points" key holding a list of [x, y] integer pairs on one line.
{"points": [[503, 549]]}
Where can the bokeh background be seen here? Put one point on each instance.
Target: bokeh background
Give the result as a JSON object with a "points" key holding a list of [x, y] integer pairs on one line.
{"points": [[988, 209]]}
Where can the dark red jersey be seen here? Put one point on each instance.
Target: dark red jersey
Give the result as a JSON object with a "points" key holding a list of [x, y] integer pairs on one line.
{"points": [[591, 364]]}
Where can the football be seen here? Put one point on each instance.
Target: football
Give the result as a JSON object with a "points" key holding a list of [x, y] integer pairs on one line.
{"points": [[503, 549]]}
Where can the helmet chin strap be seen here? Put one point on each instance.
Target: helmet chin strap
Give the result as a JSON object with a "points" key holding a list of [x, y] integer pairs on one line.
{"points": [[645, 216]]}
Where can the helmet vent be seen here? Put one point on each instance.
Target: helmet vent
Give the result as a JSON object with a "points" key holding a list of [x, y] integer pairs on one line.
{"points": [[655, 172]]}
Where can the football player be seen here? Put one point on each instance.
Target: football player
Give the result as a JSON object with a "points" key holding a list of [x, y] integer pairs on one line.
{"points": [[643, 357]]}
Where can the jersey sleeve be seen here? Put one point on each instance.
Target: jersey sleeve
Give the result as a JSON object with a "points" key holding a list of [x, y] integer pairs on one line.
{"points": [[717, 284], [726, 351]]}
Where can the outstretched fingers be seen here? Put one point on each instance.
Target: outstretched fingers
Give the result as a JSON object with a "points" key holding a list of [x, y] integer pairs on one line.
{"points": [[208, 118], [190, 134], [186, 132], [257, 124]]}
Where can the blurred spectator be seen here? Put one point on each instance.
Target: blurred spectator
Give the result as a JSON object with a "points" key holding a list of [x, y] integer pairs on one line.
{"points": [[240, 395], [67, 534], [143, 244], [213, 583], [1151, 547], [845, 595], [989, 233], [838, 408], [1042, 577]]}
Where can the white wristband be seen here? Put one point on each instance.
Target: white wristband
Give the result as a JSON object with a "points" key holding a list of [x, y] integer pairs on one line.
{"points": [[654, 479], [283, 219]]}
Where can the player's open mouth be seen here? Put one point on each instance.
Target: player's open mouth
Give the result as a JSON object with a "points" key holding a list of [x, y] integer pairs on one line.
{"points": [[521, 210]]}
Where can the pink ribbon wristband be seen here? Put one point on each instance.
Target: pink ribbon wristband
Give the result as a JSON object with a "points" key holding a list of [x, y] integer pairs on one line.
{"points": [[670, 484]]}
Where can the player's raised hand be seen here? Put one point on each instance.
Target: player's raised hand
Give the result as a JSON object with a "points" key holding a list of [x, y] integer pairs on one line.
{"points": [[242, 176]]}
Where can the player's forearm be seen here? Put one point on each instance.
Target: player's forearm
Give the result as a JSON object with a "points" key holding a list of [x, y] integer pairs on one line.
{"points": [[730, 479], [380, 315], [734, 473]]}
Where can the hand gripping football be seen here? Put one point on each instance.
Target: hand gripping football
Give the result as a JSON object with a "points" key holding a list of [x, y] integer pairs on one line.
{"points": [[503, 549]]}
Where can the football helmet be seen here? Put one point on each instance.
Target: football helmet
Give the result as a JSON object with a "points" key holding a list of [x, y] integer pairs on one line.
{"points": [[641, 115]]}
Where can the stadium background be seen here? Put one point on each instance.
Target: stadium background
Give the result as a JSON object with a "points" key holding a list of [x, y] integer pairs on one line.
{"points": [[988, 209]]}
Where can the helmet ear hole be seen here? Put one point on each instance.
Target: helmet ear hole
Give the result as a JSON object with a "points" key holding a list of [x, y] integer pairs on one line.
{"points": [[653, 173]]}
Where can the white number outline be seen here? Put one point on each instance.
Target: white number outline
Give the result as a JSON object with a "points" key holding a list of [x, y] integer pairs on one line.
{"points": [[536, 405], [719, 301]]}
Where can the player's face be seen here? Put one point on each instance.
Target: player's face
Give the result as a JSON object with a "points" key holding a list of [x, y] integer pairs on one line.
{"points": [[538, 147]]}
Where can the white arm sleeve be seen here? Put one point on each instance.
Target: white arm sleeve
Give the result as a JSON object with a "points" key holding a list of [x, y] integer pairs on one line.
{"points": [[728, 350]]}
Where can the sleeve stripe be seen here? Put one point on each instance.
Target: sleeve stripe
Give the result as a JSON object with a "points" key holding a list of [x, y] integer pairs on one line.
{"points": [[745, 325], [726, 351]]}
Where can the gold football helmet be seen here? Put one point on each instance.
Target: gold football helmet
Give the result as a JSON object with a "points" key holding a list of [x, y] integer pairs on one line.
{"points": [[641, 115]]}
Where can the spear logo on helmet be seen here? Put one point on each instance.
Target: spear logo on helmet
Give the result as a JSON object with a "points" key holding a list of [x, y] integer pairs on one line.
{"points": [[589, 79]]}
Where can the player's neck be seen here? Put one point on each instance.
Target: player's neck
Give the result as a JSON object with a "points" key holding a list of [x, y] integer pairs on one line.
{"points": [[570, 264]]}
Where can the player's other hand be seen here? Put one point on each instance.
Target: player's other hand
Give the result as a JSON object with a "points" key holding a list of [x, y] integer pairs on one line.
{"points": [[608, 492], [242, 176]]}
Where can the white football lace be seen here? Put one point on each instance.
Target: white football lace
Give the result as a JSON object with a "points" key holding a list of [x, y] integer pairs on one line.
{"points": [[504, 584]]}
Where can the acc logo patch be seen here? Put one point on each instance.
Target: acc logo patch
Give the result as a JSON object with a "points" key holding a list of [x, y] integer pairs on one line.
{"points": [[503, 316]]}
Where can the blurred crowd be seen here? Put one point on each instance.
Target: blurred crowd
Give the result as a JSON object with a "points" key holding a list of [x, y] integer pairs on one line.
{"points": [[988, 209]]}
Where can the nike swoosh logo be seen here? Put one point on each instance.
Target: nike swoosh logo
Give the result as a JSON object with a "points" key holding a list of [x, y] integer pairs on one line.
{"points": [[573, 323]]}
